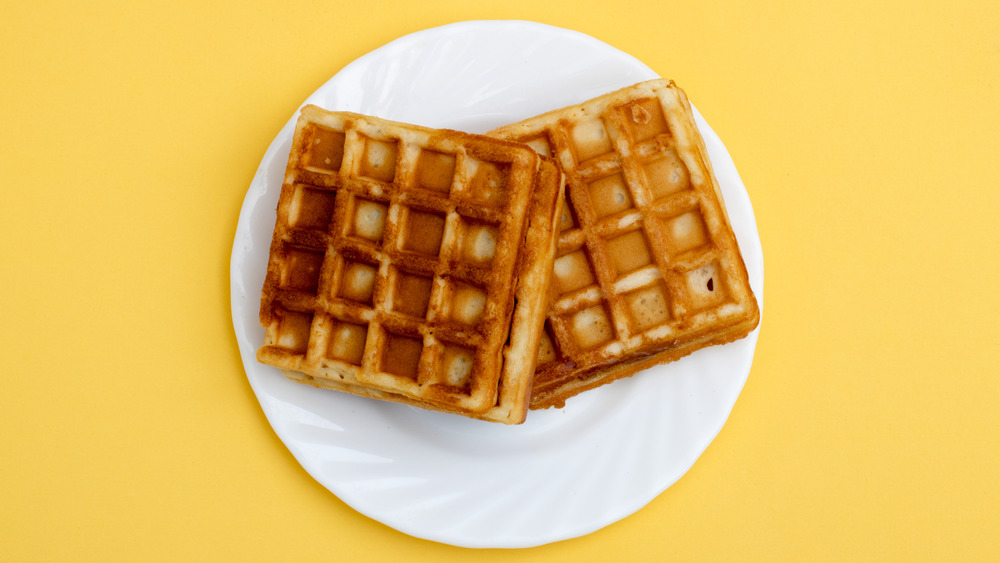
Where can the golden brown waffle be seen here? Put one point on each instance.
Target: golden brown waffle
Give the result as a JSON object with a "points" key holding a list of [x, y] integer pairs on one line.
{"points": [[397, 255], [647, 268]]}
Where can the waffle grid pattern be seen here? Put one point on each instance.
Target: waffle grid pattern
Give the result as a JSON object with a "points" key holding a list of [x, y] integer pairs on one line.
{"points": [[393, 258], [646, 260]]}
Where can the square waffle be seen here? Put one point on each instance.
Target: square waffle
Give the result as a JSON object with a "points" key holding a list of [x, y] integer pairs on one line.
{"points": [[402, 265], [647, 268]]}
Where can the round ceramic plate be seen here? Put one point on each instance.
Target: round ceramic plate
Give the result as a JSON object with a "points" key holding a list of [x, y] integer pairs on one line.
{"points": [[565, 472]]}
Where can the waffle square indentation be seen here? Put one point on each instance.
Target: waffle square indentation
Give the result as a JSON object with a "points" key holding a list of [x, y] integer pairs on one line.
{"points": [[293, 330], [401, 355], [378, 161], [302, 270], [368, 221], [435, 170], [312, 209], [326, 150], [347, 342], [706, 286], [357, 282], [478, 242], [650, 306], [456, 365], [686, 231], [424, 232], [411, 294], [644, 119], [629, 252], [489, 182], [666, 175], [590, 139], [609, 195], [468, 303], [591, 327], [571, 272]]}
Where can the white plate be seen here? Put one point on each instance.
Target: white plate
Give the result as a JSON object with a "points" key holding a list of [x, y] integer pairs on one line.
{"points": [[564, 472]]}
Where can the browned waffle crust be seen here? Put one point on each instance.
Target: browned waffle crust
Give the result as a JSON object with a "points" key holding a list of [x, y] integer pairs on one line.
{"points": [[647, 268], [410, 264]]}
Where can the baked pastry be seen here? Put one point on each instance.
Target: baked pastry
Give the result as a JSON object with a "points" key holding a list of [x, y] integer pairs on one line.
{"points": [[647, 268], [411, 264]]}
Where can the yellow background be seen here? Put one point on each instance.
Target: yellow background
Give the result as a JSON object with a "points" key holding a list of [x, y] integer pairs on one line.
{"points": [[867, 134]]}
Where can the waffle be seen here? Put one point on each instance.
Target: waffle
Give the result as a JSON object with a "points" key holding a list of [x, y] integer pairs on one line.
{"points": [[402, 265], [647, 268]]}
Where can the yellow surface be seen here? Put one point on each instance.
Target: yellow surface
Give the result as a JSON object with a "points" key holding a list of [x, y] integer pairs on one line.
{"points": [[868, 136]]}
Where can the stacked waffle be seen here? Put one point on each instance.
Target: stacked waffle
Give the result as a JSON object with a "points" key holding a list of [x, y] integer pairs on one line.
{"points": [[482, 275]]}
